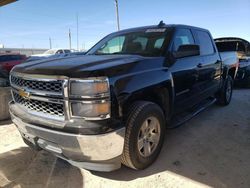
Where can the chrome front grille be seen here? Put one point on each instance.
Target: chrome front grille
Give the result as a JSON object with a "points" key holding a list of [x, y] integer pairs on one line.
{"points": [[35, 106], [52, 86], [41, 95]]}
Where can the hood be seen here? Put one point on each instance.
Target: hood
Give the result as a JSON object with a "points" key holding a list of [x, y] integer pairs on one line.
{"points": [[88, 65]]}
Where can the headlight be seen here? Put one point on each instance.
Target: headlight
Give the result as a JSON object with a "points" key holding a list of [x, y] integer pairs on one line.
{"points": [[91, 87], [91, 110], [90, 98]]}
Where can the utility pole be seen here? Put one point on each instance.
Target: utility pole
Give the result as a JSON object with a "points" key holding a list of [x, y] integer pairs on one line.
{"points": [[84, 46], [69, 39], [50, 43], [77, 29], [117, 15]]}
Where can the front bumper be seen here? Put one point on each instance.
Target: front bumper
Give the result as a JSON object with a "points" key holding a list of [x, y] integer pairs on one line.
{"points": [[94, 152]]}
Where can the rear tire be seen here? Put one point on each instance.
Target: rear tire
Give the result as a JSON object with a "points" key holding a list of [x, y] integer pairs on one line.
{"points": [[225, 95], [145, 130]]}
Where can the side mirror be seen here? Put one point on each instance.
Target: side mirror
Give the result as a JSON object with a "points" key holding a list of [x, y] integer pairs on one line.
{"points": [[187, 50]]}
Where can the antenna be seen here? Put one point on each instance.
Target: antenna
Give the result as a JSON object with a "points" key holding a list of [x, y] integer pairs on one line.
{"points": [[161, 24]]}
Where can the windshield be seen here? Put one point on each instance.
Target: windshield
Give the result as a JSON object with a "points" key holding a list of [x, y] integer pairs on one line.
{"points": [[50, 52], [146, 43]]}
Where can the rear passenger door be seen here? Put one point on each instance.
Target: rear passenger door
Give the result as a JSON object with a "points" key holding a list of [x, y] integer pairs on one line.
{"points": [[210, 67]]}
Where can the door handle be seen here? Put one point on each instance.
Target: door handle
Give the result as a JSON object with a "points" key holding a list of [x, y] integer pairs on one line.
{"points": [[199, 65]]}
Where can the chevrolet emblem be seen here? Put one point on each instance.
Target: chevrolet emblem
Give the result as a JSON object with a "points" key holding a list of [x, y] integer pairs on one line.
{"points": [[24, 94]]}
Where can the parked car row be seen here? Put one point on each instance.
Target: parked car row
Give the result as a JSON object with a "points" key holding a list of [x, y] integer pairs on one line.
{"points": [[9, 60], [54, 53]]}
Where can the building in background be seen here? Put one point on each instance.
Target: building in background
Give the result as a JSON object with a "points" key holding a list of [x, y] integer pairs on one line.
{"points": [[25, 51]]}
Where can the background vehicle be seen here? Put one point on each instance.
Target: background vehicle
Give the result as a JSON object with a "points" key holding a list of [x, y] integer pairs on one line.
{"points": [[242, 48], [114, 104], [8, 61], [78, 53], [52, 53]]}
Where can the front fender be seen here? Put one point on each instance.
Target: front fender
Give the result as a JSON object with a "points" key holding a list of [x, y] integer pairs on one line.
{"points": [[138, 86]]}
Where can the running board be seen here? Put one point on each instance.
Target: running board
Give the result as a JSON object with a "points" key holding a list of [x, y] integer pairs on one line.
{"points": [[183, 117]]}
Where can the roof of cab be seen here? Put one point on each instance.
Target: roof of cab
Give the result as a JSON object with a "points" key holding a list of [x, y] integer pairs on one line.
{"points": [[159, 26]]}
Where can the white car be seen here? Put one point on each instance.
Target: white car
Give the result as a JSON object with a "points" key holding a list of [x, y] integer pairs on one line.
{"points": [[52, 53]]}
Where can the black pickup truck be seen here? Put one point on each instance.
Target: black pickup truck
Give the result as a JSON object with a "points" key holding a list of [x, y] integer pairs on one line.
{"points": [[114, 104]]}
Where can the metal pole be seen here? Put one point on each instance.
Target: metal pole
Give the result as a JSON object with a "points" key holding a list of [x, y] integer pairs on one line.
{"points": [[77, 31], [117, 15], [50, 43], [69, 39]]}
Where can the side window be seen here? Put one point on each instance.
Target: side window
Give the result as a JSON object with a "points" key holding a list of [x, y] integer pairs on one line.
{"points": [[66, 51], [206, 45], [59, 52], [12, 58], [182, 37], [158, 43], [113, 46], [2, 58], [16, 57], [8, 58]]}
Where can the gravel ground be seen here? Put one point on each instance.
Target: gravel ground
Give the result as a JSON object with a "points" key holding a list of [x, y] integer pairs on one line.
{"points": [[211, 150]]}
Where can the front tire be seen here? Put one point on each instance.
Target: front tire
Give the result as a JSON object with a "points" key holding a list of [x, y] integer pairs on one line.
{"points": [[225, 95], [145, 130]]}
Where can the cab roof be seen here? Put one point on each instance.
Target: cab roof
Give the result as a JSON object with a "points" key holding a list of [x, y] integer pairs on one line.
{"points": [[160, 26]]}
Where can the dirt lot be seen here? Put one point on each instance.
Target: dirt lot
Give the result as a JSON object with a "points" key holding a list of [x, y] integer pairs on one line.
{"points": [[213, 149]]}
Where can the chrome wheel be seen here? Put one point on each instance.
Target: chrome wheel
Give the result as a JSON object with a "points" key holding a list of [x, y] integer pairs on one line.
{"points": [[228, 91], [149, 136]]}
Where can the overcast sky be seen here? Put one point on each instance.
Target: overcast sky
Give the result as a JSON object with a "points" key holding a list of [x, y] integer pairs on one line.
{"points": [[30, 23]]}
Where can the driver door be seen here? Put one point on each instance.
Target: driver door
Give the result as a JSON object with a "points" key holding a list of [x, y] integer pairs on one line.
{"points": [[185, 72]]}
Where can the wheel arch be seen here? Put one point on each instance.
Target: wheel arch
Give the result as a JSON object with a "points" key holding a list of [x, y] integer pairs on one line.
{"points": [[162, 96], [232, 71]]}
